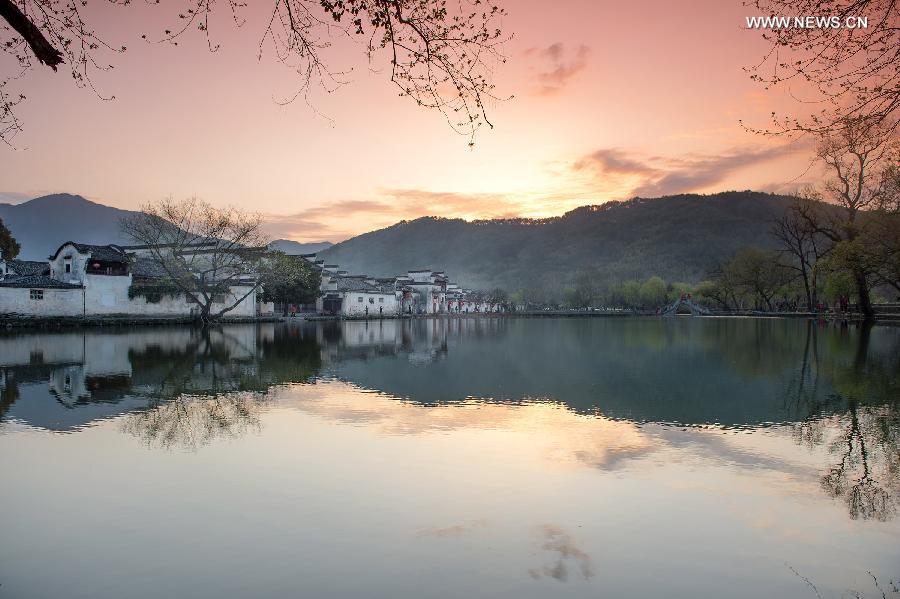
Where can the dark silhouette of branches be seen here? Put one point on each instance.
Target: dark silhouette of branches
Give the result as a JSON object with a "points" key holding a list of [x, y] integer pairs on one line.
{"points": [[441, 54], [850, 72], [860, 158], [212, 255], [802, 244]]}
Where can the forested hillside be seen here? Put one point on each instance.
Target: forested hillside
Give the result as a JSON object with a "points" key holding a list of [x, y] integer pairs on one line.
{"points": [[676, 237]]}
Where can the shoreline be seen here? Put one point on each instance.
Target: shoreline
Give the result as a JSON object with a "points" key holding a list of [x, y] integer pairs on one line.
{"points": [[19, 322]]}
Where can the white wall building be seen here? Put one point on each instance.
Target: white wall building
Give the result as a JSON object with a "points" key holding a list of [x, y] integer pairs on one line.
{"points": [[423, 291], [91, 280]]}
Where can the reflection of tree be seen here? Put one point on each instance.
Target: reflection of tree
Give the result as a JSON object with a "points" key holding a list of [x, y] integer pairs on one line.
{"points": [[867, 477], [9, 393], [214, 387], [217, 361], [562, 549], [190, 422], [865, 433]]}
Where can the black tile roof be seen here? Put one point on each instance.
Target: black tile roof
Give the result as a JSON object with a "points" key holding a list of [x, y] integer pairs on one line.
{"points": [[106, 253], [358, 284], [36, 282], [147, 268], [28, 267]]}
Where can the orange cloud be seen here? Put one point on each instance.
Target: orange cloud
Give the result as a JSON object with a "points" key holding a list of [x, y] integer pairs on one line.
{"points": [[657, 176], [558, 66], [333, 221]]}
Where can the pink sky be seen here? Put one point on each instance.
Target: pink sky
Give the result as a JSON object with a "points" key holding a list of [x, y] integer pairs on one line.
{"points": [[611, 100]]}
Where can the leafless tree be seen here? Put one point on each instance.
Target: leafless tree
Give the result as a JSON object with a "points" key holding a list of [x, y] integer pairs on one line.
{"points": [[205, 252], [840, 72], [803, 244], [439, 53], [859, 157]]}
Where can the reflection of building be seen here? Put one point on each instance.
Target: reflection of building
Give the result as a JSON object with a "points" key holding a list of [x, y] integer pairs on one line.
{"points": [[420, 340], [97, 280], [64, 380]]}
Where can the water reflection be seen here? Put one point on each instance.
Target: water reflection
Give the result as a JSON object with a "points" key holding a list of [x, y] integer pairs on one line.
{"points": [[189, 422], [64, 381], [836, 387], [564, 553]]}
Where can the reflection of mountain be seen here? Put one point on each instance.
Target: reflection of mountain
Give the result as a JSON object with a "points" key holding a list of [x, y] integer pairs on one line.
{"points": [[729, 371], [182, 387], [733, 372]]}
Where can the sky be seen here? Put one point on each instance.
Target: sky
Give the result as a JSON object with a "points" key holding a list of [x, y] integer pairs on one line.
{"points": [[598, 101]]}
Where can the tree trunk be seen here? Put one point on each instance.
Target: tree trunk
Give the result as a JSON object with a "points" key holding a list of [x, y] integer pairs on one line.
{"points": [[862, 290], [43, 50], [806, 277], [814, 296]]}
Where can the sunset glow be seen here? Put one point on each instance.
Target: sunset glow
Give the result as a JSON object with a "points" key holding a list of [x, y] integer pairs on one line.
{"points": [[605, 102]]}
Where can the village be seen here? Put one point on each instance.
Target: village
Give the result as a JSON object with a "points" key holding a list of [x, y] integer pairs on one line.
{"points": [[418, 292], [104, 281]]}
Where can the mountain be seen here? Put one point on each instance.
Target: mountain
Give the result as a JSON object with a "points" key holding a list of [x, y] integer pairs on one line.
{"points": [[43, 224], [296, 248], [676, 237]]}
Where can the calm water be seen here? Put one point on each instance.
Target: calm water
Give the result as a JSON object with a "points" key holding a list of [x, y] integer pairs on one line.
{"points": [[464, 458]]}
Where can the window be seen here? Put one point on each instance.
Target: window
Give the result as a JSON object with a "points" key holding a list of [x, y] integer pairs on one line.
{"points": [[359, 299], [37, 294], [371, 300], [219, 298], [68, 267], [380, 300]]}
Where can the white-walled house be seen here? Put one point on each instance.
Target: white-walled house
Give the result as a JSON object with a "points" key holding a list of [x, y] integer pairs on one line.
{"points": [[95, 281], [358, 296], [429, 290]]}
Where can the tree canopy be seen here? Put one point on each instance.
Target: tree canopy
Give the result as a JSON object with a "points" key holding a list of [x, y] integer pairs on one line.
{"points": [[205, 252], [289, 279], [8, 244]]}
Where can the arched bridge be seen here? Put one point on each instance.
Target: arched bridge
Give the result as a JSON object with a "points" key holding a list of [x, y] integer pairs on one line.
{"points": [[687, 302]]}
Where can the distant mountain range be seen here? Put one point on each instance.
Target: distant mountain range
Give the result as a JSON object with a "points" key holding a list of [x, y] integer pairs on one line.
{"points": [[676, 237], [296, 248], [43, 224]]}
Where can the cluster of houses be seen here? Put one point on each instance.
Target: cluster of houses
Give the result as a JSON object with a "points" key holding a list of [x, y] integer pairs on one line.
{"points": [[98, 280], [423, 291]]}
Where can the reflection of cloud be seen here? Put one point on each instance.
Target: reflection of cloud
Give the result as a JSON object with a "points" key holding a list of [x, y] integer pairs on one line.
{"points": [[558, 65], [455, 530], [569, 437], [563, 550], [718, 446], [658, 176]]}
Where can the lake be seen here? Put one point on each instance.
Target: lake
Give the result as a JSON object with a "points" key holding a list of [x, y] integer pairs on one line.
{"points": [[462, 457]]}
